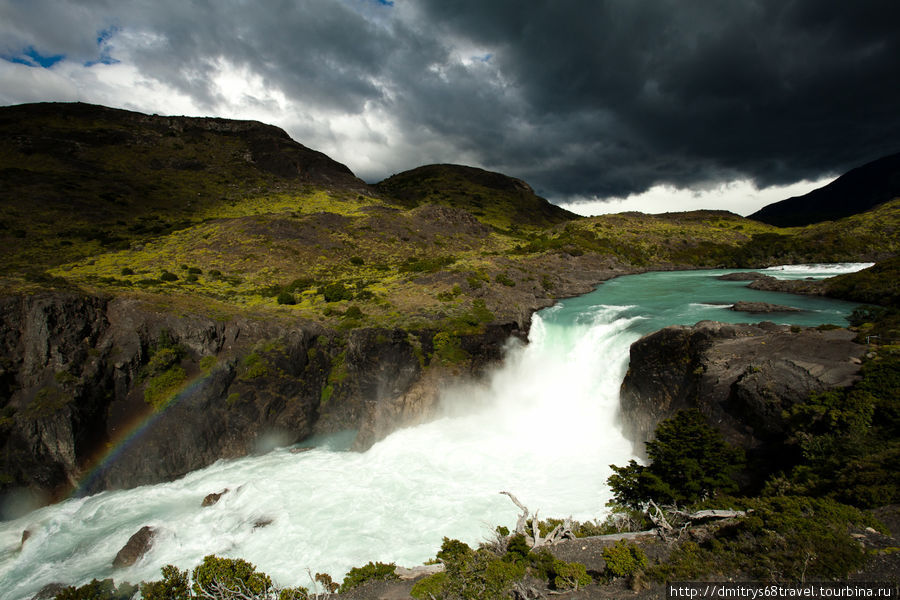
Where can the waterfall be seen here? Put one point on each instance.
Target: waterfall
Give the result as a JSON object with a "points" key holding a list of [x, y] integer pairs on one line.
{"points": [[542, 426]]}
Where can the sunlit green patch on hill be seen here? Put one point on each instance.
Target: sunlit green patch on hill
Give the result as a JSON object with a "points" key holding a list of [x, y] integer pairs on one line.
{"points": [[393, 266], [699, 238], [237, 213]]}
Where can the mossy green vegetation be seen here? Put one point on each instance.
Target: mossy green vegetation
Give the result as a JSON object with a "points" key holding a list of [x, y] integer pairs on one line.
{"points": [[47, 402], [783, 538], [844, 443], [174, 209], [163, 372], [490, 571], [372, 571], [837, 457], [689, 461], [624, 559]]}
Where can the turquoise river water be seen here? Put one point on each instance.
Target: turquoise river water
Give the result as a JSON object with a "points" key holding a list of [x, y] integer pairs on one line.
{"points": [[542, 426]]}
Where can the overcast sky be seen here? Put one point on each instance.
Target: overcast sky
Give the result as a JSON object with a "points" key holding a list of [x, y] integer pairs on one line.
{"points": [[598, 104]]}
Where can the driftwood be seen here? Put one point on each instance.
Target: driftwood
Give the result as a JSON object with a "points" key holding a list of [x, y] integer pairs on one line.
{"points": [[659, 516], [704, 515], [559, 533]]}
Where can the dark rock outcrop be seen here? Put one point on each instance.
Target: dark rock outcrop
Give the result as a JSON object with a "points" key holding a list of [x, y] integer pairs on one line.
{"points": [[761, 307], [741, 377], [74, 375], [807, 287], [418, 402], [744, 276], [49, 591], [135, 548]]}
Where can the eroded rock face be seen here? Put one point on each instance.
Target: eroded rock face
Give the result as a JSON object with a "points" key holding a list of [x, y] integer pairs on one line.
{"points": [[741, 377], [135, 548], [74, 372], [419, 401]]}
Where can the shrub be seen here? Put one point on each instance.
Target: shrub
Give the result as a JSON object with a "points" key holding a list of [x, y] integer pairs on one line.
{"points": [[624, 559], [783, 538], [569, 575], [327, 583], [504, 279], [448, 349], [174, 586], [168, 276], [431, 587], [517, 548], [255, 366], [160, 388], [127, 271], [429, 264], [353, 312], [98, 590], [286, 298], [294, 593], [357, 261], [335, 292], [369, 572], [236, 574], [47, 402], [453, 551], [689, 460], [163, 358]]}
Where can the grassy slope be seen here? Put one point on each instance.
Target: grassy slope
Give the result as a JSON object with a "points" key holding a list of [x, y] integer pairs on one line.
{"points": [[495, 199], [238, 213]]}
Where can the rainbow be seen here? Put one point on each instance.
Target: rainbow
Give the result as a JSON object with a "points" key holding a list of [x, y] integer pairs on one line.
{"points": [[128, 434]]}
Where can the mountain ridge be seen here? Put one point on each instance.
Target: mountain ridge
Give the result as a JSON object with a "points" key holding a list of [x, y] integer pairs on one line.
{"points": [[854, 192]]}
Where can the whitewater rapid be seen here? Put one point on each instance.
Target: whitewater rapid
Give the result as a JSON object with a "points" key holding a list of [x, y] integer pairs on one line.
{"points": [[542, 426]]}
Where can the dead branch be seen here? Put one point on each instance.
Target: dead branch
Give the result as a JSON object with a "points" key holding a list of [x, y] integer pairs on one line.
{"points": [[702, 515], [523, 518], [534, 540], [658, 517]]}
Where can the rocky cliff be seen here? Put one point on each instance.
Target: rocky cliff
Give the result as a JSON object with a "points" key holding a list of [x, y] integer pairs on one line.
{"points": [[101, 392], [741, 377]]}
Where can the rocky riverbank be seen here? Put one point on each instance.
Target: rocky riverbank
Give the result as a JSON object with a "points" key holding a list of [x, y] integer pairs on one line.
{"points": [[741, 377], [82, 372]]}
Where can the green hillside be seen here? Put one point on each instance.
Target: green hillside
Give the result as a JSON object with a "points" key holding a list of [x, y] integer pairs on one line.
{"points": [[493, 198], [229, 216]]}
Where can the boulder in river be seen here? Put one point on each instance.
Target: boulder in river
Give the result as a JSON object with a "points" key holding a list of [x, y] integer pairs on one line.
{"points": [[761, 307], [135, 548], [211, 499], [744, 276]]}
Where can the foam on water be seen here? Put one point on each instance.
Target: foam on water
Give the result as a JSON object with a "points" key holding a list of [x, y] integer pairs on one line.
{"points": [[543, 426], [818, 271]]}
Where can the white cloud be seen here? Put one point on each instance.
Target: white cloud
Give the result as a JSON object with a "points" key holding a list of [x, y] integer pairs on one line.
{"points": [[739, 196]]}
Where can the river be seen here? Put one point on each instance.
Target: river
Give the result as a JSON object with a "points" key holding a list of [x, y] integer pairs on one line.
{"points": [[542, 426]]}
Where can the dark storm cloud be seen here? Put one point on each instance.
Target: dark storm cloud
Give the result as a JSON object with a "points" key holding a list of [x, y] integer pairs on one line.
{"points": [[682, 92], [590, 98]]}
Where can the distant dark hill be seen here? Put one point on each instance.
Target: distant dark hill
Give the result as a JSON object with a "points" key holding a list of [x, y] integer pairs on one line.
{"points": [[494, 198], [852, 193]]}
